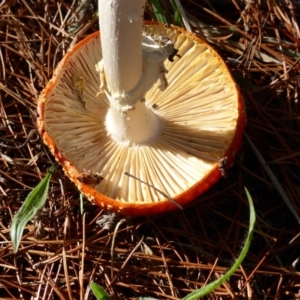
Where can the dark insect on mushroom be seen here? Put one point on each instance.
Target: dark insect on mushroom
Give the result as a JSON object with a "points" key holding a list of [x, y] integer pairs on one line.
{"points": [[87, 177], [222, 166], [173, 54], [155, 106]]}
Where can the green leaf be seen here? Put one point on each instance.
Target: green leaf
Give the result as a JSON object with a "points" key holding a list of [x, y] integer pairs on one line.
{"points": [[292, 53], [32, 204], [210, 287], [99, 292], [158, 11]]}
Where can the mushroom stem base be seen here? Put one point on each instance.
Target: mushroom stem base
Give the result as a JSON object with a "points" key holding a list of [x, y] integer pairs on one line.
{"points": [[136, 126]]}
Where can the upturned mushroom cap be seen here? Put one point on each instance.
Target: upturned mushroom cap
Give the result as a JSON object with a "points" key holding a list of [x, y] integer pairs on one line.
{"points": [[201, 120]]}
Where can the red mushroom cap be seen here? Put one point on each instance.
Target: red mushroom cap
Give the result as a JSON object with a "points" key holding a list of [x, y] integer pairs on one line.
{"points": [[202, 120]]}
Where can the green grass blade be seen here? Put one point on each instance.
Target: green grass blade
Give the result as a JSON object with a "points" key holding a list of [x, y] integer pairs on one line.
{"points": [[210, 287], [177, 16], [99, 292], [32, 204], [158, 11], [290, 52]]}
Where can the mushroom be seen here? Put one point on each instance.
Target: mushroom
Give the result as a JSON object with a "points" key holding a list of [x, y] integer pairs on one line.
{"points": [[137, 157]]}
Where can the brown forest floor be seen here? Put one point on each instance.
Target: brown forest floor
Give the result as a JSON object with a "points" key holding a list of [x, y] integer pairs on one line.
{"points": [[164, 256]]}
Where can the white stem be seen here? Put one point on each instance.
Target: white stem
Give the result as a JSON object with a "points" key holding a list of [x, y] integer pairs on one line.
{"points": [[133, 127], [121, 39], [130, 66]]}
